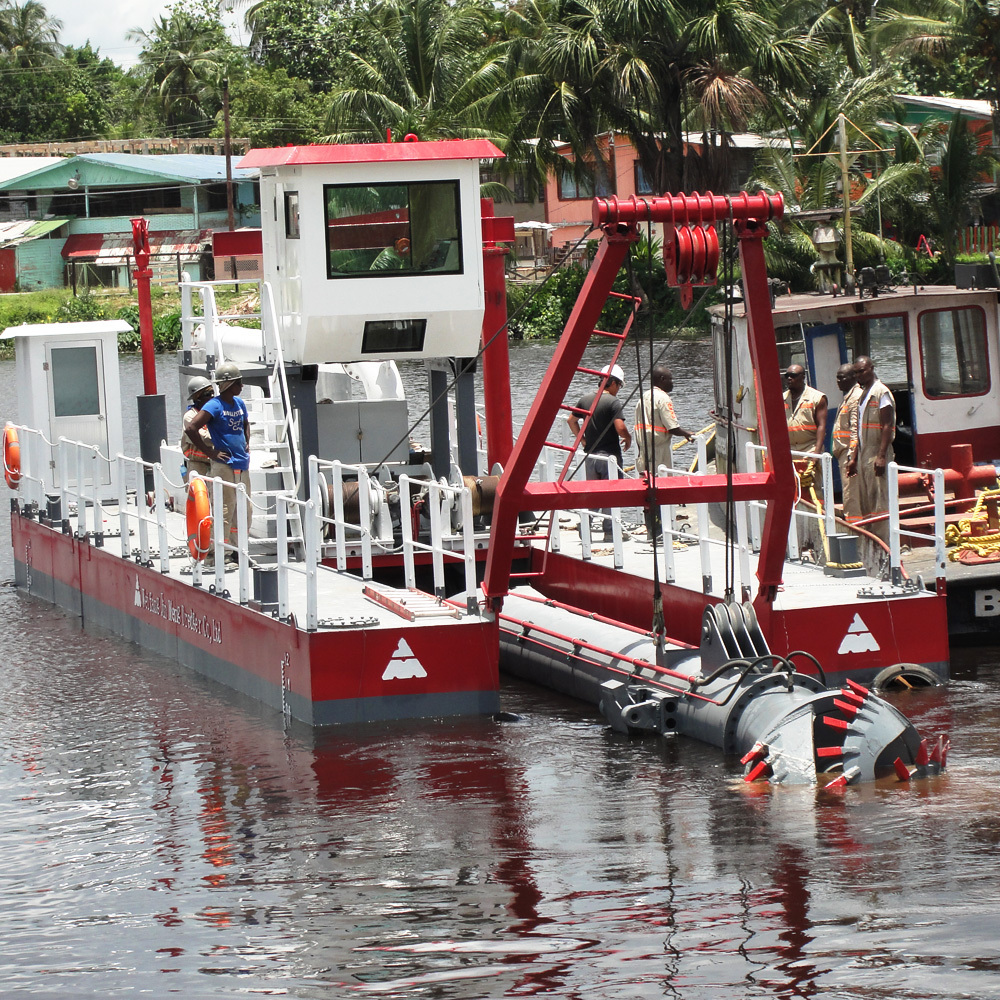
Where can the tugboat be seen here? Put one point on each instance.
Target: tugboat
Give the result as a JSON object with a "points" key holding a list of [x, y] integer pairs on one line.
{"points": [[938, 349]]}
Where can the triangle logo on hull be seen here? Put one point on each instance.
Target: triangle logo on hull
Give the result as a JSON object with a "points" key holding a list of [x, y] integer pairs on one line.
{"points": [[403, 665], [859, 639]]}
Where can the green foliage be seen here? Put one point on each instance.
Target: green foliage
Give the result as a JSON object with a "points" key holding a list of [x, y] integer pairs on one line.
{"points": [[186, 56], [82, 308], [167, 331], [434, 70], [271, 108], [297, 37]]}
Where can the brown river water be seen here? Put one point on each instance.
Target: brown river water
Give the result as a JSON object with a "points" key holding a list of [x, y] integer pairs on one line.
{"points": [[160, 836]]}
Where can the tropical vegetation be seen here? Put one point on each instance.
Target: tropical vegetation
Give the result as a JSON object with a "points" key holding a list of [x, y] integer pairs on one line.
{"points": [[547, 78]]}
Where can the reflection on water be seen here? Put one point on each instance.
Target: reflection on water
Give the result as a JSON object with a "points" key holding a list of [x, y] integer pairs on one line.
{"points": [[161, 836]]}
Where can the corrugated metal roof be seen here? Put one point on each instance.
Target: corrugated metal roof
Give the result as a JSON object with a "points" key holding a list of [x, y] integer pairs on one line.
{"points": [[176, 166], [117, 248], [111, 169], [12, 167], [12, 234]]}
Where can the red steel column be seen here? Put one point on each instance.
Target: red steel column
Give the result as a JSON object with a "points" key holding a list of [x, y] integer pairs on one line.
{"points": [[773, 426], [496, 354], [143, 276]]}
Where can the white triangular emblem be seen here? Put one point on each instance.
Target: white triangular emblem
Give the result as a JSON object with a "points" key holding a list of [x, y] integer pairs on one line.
{"points": [[138, 594], [858, 639], [403, 665]]}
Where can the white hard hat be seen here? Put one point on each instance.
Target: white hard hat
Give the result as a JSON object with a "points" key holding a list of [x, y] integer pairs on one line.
{"points": [[615, 372]]}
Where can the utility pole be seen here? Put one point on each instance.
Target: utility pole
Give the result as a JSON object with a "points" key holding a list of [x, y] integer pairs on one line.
{"points": [[846, 184], [229, 156]]}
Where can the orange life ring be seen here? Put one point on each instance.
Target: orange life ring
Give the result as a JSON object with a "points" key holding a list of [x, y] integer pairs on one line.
{"points": [[11, 457], [402, 246], [199, 519]]}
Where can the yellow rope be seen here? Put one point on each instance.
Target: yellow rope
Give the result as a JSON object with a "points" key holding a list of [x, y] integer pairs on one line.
{"points": [[960, 535]]}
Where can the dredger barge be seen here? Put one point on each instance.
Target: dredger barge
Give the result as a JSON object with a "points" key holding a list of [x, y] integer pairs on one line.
{"points": [[375, 583]]}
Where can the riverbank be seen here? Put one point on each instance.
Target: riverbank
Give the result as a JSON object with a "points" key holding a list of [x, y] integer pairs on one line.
{"points": [[60, 305]]}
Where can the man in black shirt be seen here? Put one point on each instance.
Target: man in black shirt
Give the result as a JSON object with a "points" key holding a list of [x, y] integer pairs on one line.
{"points": [[605, 433]]}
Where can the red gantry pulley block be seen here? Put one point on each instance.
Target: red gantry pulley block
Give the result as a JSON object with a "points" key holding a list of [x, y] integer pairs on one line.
{"points": [[690, 239]]}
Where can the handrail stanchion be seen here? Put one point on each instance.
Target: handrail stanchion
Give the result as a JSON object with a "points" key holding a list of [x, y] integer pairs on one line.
{"points": [[281, 509], [81, 497], [940, 559], [63, 453], [436, 557], [743, 541], [469, 551], [140, 513], [187, 320], [218, 527], [122, 508], [406, 523], [706, 560], [586, 542], [242, 543], [95, 491], [160, 508], [830, 523], [364, 491], [667, 532], [895, 568], [310, 520], [338, 515], [614, 472]]}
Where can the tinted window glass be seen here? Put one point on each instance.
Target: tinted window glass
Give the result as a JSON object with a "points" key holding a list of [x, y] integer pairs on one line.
{"points": [[386, 230], [953, 352]]}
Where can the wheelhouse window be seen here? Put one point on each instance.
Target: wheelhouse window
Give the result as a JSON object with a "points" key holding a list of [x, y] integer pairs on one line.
{"points": [[387, 230], [954, 357]]}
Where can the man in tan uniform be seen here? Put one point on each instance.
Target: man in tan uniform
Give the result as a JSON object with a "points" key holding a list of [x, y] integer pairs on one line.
{"points": [[805, 413], [873, 429], [655, 424], [842, 438]]}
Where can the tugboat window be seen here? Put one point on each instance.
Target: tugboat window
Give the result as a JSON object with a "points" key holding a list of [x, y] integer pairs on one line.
{"points": [[953, 352], [388, 230]]}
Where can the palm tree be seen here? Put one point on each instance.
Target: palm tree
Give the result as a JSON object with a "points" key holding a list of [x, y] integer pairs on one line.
{"points": [[28, 36], [637, 65], [184, 59], [435, 71]]}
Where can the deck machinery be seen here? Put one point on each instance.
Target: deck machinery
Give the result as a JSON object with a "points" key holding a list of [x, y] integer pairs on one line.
{"points": [[731, 691]]}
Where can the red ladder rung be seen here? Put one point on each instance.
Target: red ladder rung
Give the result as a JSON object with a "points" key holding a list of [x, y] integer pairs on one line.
{"points": [[561, 447], [608, 333]]}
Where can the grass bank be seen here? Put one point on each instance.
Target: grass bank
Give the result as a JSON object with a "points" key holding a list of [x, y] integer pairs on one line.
{"points": [[59, 305]]}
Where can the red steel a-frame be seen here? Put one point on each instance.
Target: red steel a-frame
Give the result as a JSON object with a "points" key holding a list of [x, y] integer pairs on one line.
{"points": [[689, 256]]}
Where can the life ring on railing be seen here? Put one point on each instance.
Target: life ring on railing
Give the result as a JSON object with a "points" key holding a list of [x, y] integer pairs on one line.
{"points": [[199, 518], [11, 457]]}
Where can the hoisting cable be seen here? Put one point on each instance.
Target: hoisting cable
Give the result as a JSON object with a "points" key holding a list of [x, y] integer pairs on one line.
{"points": [[645, 446], [469, 363], [730, 520]]}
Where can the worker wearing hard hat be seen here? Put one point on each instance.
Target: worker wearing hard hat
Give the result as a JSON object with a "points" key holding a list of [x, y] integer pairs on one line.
{"points": [[196, 446], [605, 433], [226, 418]]}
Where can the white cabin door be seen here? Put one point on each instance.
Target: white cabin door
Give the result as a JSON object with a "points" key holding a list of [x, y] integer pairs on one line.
{"points": [[75, 374]]}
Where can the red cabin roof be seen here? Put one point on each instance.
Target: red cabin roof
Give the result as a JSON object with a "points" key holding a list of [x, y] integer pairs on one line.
{"points": [[373, 152]]}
